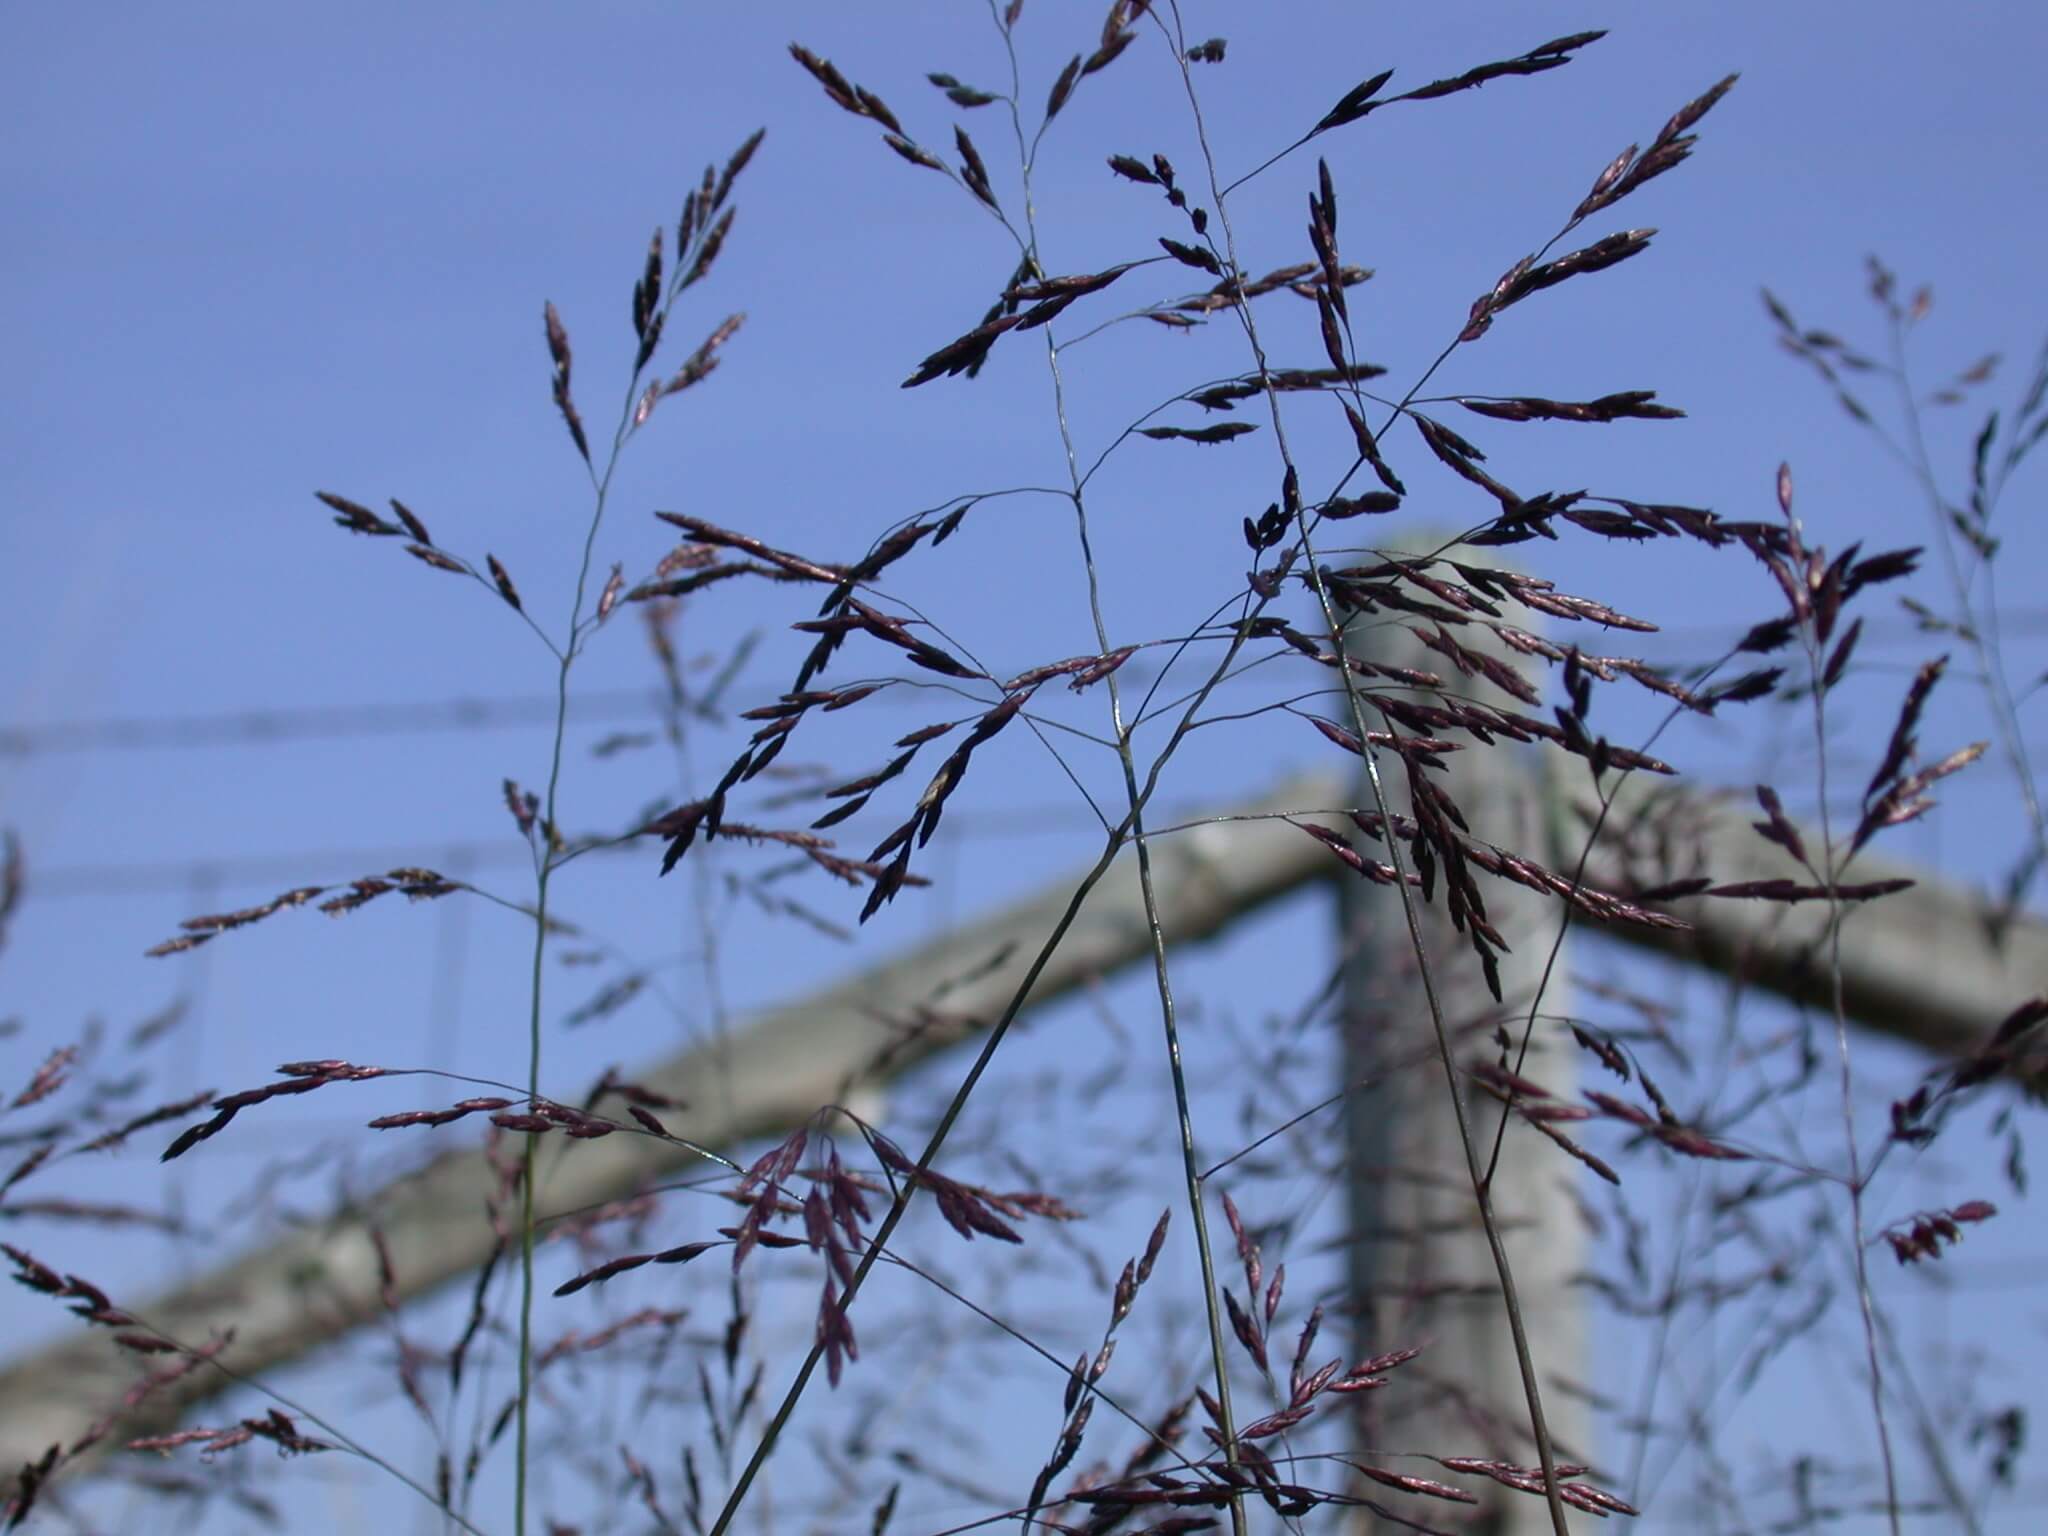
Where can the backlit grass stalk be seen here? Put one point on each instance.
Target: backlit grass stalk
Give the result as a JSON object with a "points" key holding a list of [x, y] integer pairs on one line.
{"points": [[691, 261], [1355, 704], [1219, 1357]]}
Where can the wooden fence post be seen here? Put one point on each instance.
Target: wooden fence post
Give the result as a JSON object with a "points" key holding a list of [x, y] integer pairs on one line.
{"points": [[1420, 1270]]}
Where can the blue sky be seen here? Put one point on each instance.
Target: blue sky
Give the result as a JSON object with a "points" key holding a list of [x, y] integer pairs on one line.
{"points": [[259, 250]]}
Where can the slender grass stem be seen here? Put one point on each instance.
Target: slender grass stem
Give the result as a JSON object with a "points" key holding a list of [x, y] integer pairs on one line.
{"points": [[1518, 1327], [548, 855]]}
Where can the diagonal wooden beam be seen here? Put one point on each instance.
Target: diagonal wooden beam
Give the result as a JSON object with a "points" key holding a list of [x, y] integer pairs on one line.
{"points": [[1927, 965], [1922, 966], [316, 1284]]}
